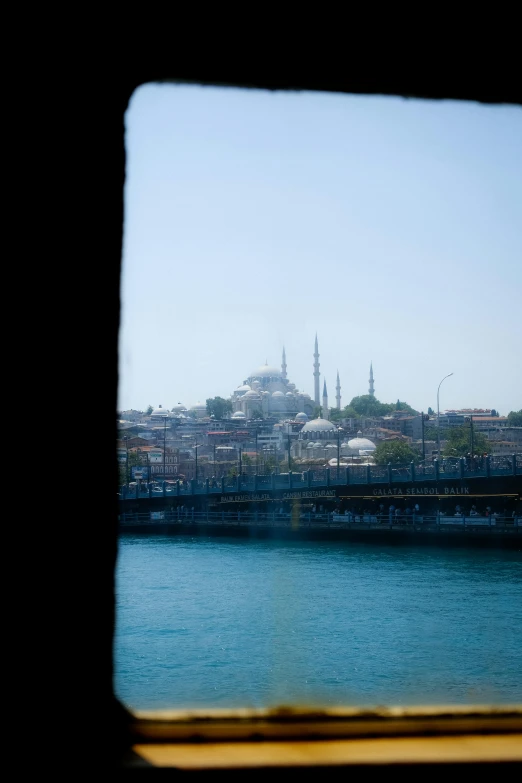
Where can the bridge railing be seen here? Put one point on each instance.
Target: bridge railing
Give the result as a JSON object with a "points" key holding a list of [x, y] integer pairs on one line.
{"points": [[187, 515], [447, 468]]}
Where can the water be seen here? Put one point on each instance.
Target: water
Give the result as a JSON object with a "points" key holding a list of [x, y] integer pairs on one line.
{"points": [[205, 622]]}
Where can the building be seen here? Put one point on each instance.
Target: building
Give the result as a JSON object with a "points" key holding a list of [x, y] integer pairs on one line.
{"points": [[268, 392]]}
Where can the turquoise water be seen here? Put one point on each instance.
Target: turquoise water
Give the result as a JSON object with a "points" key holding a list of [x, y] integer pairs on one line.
{"points": [[229, 622]]}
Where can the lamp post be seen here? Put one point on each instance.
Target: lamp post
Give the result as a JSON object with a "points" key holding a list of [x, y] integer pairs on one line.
{"points": [[126, 438], [164, 447], [339, 431], [438, 415], [470, 419]]}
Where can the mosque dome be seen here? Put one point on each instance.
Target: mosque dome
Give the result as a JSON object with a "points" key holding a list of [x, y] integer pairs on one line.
{"points": [[301, 417], [179, 408], [359, 444], [319, 425], [159, 411], [307, 396], [251, 395], [266, 372], [198, 406], [244, 388], [289, 394], [311, 446], [238, 415], [278, 394]]}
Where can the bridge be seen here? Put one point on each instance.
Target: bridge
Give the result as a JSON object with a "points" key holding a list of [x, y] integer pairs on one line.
{"points": [[353, 475]]}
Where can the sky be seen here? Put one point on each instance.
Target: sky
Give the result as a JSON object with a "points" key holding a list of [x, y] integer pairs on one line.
{"points": [[390, 227]]}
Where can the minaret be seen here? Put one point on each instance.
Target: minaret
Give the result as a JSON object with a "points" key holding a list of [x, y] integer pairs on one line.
{"points": [[325, 402], [283, 364], [370, 390], [338, 390], [316, 374]]}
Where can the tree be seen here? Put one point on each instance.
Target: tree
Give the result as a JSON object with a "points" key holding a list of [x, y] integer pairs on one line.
{"points": [[395, 451], [458, 443], [366, 405], [430, 433], [318, 412], [335, 414], [431, 412], [350, 413], [515, 418], [135, 460], [257, 415], [404, 407], [218, 407], [149, 410]]}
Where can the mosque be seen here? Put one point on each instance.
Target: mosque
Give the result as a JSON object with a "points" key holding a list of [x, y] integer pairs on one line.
{"points": [[268, 391]]}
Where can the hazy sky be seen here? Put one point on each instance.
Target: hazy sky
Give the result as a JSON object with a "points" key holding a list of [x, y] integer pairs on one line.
{"points": [[391, 227]]}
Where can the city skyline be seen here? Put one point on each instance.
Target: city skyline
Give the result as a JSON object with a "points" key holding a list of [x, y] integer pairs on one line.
{"points": [[254, 220]]}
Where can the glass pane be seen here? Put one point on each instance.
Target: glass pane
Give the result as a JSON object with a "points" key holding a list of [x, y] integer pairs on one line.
{"points": [[319, 503]]}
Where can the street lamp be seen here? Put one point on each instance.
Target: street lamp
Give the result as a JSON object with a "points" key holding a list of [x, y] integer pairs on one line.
{"points": [[339, 431], [470, 419], [438, 415], [196, 445], [126, 438]]}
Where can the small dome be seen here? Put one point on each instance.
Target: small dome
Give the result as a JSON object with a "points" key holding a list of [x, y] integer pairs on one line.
{"points": [[301, 417], [244, 388], [311, 446], [238, 415], [266, 372], [360, 444], [306, 396], [198, 406], [179, 408], [278, 394], [319, 425], [159, 411], [251, 395], [289, 394]]}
